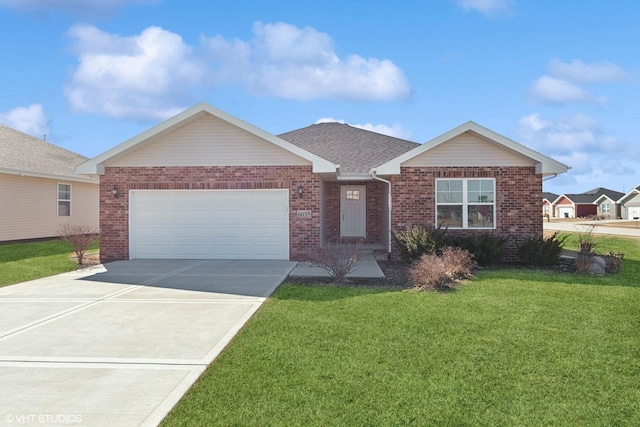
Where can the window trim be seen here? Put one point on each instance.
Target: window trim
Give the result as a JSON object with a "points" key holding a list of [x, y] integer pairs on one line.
{"points": [[608, 206], [465, 203], [58, 199]]}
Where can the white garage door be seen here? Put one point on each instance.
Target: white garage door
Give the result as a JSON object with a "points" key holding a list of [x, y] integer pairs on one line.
{"points": [[633, 212], [565, 212], [209, 224]]}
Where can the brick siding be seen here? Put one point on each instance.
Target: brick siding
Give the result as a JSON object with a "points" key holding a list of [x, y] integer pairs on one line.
{"points": [[518, 200], [304, 233]]}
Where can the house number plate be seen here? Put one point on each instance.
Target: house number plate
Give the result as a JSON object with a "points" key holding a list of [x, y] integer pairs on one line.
{"points": [[303, 214]]}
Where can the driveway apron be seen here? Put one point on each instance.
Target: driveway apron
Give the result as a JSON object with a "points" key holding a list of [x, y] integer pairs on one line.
{"points": [[119, 344]]}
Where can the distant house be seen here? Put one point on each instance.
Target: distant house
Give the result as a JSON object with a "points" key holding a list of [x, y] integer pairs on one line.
{"points": [[597, 202], [39, 188], [629, 204], [547, 204]]}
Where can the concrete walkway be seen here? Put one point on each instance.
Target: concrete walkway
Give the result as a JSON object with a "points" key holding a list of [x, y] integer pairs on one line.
{"points": [[367, 268], [118, 345]]}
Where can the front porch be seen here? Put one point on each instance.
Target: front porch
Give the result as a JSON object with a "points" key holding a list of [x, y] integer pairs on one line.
{"points": [[354, 210]]}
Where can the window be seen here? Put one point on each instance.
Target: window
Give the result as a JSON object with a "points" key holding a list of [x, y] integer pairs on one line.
{"points": [[353, 194], [465, 203], [606, 208], [64, 199], [546, 209]]}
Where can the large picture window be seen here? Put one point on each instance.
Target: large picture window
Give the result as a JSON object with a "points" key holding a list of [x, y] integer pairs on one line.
{"points": [[465, 203], [64, 199]]}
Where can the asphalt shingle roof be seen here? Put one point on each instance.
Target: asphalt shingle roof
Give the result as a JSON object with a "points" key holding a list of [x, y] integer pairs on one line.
{"points": [[549, 196], [24, 153], [355, 150]]}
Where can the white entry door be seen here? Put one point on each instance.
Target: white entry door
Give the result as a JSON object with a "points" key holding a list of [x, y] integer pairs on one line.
{"points": [[353, 211]]}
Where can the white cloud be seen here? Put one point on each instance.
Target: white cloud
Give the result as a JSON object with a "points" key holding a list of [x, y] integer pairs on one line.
{"points": [[396, 130], [490, 8], [579, 72], [146, 76], [152, 75], [579, 141], [551, 89], [82, 7], [565, 80], [31, 120], [286, 61]]}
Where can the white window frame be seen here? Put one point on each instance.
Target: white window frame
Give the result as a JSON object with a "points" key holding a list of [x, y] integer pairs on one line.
{"points": [[465, 203], [606, 208], [58, 199]]}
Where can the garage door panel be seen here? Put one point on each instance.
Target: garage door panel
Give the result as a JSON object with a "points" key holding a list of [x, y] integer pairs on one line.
{"points": [[242, 224]]}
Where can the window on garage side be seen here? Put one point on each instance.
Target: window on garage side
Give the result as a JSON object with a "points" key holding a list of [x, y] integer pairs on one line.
{"points": [[465, 203], [64, 199]]}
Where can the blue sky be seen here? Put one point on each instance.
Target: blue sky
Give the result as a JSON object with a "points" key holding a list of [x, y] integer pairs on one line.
{"points": [[560, 77]]}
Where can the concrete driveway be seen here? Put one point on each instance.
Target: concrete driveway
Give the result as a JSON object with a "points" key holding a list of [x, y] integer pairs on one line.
{"points": [[119, 344]]}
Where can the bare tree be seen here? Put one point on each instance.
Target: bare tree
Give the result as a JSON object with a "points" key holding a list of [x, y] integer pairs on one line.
{"points": [[80, 237]]}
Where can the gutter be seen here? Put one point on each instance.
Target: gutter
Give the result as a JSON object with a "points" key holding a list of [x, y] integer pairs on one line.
{"points": [[377, 178]]}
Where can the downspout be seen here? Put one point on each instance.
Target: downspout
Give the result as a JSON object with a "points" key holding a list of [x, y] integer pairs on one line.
{"points": [[373, 175]]}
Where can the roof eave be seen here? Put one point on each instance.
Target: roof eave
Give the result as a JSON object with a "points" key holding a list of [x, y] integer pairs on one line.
{"points": [[74, 178]]}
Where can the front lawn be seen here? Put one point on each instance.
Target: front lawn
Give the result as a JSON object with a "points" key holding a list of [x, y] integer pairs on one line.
{"points": [[20, 262], [511, 347]]}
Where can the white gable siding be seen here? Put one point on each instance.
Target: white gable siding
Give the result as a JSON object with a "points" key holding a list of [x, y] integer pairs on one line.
{"points": [[468, 149], [29, 207], [209, 141]]}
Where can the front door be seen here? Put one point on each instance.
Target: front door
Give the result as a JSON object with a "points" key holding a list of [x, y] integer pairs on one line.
{"points": [[353, 213]]}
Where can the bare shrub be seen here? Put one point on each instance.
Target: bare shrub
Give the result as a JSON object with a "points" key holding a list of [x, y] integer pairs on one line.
{"points": [[613, 262], [442, 272], [80, 237], [339, 259]]}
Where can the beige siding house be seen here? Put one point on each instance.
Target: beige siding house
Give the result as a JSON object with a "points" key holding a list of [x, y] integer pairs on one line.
{"points": [[40, 190]]}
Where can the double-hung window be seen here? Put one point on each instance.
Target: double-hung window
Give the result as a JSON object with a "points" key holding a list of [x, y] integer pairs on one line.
{"points": [[466, 203], [64, 199], [606, 208]]}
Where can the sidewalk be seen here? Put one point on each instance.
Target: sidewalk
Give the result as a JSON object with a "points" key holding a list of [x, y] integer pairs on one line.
{"points": [[600, 228]]}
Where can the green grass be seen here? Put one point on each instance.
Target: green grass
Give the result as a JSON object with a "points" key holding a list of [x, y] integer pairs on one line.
{"points": [[20, 262], [511, 347]]}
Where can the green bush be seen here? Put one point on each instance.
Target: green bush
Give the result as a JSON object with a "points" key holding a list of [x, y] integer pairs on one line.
{"points": [[414, 242], [540, 251], [486, 248], [435, 272]]}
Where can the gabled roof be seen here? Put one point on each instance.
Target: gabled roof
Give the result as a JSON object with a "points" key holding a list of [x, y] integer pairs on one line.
{"points": [[633, 192], [550, 197], [593, 196], [356, 150], [97, 164], [544, 165], [22, 154], [580, 198]]}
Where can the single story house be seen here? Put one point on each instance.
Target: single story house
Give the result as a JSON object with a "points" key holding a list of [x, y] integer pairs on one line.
{"points": [[629, 204], [547, 204], [40, 190], [598, 201], [205, 184]]}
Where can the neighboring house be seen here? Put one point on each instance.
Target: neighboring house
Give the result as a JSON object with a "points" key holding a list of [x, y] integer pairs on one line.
{"points": [[205, 184], [629, 204], [547, 204], [40, 190], [599, 201]]}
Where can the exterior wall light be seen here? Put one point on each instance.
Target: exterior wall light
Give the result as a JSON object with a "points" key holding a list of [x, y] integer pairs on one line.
{"points": [[114, 191], [300, 191]]}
